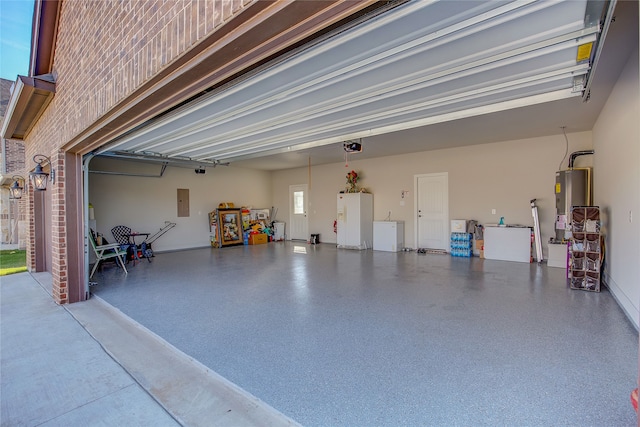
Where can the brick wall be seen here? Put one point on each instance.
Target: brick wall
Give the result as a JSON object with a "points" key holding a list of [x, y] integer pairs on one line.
{"points": [[105, 50], [12, 213], [31, 226], [12, 220], [58, 232], [13, 153]]}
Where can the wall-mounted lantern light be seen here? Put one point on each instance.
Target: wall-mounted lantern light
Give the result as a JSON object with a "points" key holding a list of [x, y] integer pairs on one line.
{"points": [[38, 176], [15, 190]]}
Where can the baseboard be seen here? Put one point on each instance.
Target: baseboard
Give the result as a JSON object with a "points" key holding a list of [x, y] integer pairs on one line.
{"points": [[623, 301]]}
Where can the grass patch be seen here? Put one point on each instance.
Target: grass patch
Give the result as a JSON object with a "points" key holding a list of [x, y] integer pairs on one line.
{"points": [[12, 261]]}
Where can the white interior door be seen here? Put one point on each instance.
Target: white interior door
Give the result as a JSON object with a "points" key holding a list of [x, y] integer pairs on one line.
{"points": [[432, 210], [298, 219]]}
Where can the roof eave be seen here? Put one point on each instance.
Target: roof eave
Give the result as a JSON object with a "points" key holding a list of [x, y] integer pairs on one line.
{"points": [[44, 32], [31, 95], [29, 99]]}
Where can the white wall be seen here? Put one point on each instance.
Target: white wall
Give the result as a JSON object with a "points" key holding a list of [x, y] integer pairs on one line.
{"points": [[504, 176], [144, 204], [616, 137]]}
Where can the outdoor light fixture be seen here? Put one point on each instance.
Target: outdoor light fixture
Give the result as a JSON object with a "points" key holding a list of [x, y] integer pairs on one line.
{"points": [[15, 191], [38, 176]]}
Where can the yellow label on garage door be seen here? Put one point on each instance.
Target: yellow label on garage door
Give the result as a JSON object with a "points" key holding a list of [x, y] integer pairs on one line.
{"points": [[584, 52]]}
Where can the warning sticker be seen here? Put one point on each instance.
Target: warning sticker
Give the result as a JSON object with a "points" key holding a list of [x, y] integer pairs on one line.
{"points": [[584, 52], [558, 188]]}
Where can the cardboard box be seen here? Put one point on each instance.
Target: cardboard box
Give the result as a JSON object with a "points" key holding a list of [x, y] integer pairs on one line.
{"points": [[479, 248], [458, 225], [258, 239]]}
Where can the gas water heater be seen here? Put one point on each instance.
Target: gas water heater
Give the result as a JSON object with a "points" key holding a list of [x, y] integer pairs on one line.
{"points": [[573, 188]]}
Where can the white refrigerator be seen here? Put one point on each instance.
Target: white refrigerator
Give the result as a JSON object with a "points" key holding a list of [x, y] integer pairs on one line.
{"points": [[355, 220]]}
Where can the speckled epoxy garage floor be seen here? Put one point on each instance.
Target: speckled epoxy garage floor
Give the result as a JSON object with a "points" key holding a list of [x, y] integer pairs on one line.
{"points": [[334, 337]]}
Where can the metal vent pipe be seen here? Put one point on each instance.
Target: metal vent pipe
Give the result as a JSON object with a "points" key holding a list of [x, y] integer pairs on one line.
{"points": [[575, 154]]}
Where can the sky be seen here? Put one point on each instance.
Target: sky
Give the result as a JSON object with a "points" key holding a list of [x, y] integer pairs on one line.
{"points": [[15, 37]]}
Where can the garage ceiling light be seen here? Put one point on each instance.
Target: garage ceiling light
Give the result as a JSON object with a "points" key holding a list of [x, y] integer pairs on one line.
{"points": [[353, 146]]}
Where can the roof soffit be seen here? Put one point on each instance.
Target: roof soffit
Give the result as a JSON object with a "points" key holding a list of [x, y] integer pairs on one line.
{"points": [[32, 94]]}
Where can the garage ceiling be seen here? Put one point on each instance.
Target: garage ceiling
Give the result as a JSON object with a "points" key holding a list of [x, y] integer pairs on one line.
{"points": [[424, 63]]}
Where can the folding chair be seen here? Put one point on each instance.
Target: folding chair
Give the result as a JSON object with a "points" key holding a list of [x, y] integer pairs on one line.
{"points": [[103, 252], [121, 234]]}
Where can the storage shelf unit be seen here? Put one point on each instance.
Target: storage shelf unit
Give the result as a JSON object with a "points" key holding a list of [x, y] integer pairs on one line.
{"points": [[586, 251]]}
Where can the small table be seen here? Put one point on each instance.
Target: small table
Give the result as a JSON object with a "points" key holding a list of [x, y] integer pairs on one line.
{"points": [[133, 235]]}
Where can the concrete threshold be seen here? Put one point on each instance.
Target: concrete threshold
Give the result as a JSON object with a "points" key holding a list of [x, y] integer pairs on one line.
{"points": [[192, 393]]}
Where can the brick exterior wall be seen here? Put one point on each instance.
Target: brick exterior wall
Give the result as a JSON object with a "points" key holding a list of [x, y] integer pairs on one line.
{"points": [[58, 232], [105, 50], [12, 213], [10, 210], [31, 225], [12, 220], [13, 153]]}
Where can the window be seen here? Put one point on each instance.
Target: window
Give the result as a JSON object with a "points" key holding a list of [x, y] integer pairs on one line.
{"points": [[298, 202]]}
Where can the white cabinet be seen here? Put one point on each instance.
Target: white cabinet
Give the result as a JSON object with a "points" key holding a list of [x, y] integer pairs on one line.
{"points": [[388, 236], [355, 220], [507, 243]]}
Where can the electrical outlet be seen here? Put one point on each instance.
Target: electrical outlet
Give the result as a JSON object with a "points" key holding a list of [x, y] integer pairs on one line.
{"points": [[493, 211]]}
